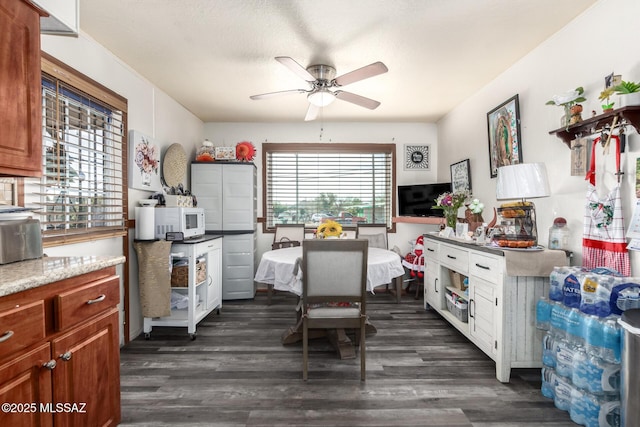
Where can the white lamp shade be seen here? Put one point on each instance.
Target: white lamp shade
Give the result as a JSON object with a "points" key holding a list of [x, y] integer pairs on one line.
{"points": [[522, 181], [321, 98]]}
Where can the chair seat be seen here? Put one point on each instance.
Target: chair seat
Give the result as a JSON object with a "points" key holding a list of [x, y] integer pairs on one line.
{"points": [[333, 312]]}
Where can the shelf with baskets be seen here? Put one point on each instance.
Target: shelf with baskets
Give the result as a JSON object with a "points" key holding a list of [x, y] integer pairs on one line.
{"points": [[196, 285]]}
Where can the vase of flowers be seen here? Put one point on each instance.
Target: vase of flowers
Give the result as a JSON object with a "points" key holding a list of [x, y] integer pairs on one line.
{"points": [[568, 100], [328, 230], [450, 203], [473, 214]]}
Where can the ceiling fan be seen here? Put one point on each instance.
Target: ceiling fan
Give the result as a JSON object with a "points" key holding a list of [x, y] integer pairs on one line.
{"points": [[321, 79]]}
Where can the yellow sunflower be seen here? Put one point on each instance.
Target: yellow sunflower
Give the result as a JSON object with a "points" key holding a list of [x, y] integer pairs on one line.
{"points": [[329, 229]]}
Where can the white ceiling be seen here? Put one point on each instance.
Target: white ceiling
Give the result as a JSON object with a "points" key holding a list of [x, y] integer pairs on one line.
{"points": [[211, 55]]}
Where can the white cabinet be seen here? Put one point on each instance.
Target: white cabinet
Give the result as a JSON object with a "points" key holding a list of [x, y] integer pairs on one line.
{"points": [[228, 194], [203, 292], [63, 18], [501, 307]]}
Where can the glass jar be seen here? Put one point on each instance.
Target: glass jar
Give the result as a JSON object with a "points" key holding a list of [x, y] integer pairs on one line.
{"points": [[559, 234], [206, 153]]}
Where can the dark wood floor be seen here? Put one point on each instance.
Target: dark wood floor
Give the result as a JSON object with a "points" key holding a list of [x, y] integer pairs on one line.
{"points": [[420, 372]]}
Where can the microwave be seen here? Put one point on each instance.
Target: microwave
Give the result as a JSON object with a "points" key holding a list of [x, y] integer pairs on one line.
{"points": [[188, 221]]}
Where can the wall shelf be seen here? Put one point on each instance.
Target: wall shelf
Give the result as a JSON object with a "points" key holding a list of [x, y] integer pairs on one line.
{"points": [[626, 115], [419, 219]]}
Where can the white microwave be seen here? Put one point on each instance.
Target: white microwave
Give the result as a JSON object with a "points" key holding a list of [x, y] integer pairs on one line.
{"points": [[188, 221]]}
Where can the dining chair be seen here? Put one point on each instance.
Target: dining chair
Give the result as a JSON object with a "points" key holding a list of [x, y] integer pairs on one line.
{"points": [[286, 236], [334, 283], [376, 234]]}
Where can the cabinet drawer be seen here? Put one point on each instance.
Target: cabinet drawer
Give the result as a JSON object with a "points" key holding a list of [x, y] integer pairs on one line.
{"points": [[21, 326], [455, 258], [431, 249], [80, 304], [485, 266]]}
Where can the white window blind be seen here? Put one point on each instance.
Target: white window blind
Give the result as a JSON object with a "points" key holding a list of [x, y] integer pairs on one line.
{"points": [[304, 180], [81, 195]]}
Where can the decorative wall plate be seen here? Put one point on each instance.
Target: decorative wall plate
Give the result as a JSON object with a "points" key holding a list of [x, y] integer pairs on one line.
{"points": [[417, 157], [174, 165]]}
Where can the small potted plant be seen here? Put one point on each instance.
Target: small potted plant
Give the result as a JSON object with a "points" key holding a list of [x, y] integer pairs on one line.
{"points": [[570, 101], [629, 93], [604, 96]]}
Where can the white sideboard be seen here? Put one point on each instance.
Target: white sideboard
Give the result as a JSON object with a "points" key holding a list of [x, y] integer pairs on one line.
{"points": [[501, 307]]}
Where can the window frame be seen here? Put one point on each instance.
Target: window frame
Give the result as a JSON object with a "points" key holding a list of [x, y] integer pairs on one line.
{"points": [[346, 148], [56, 69]]}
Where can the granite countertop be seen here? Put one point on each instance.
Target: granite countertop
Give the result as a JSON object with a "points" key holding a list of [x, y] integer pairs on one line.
{"points": [[20, 276]]}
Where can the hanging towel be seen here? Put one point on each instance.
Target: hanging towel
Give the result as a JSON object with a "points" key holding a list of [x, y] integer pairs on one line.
{"points": [[603, 240]]}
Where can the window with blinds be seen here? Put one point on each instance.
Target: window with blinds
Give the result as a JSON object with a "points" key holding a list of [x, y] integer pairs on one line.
{"points": [[82, 193], [305, 183]]}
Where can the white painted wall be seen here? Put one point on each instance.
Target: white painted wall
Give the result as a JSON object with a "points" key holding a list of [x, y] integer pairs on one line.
{"points": [[150, 111], [596, 43], [222, 134]]}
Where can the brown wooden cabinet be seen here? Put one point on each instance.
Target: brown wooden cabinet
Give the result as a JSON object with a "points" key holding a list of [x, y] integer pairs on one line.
{"points": [[59, 353], [20, 93]]}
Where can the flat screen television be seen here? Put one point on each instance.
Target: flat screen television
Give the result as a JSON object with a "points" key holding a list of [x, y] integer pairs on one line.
{"points": [[419, 199]]}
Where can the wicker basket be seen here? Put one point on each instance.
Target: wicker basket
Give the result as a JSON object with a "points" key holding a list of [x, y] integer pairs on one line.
{"points": [[180, 274]]}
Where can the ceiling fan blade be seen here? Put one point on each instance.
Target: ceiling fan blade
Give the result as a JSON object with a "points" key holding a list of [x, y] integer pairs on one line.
{"points": [[361, 73], [296, 68], [357, 99], [273, 94], [312, 113]]}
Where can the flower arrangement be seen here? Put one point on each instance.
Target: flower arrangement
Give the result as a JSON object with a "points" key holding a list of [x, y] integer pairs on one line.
{"points": [[604, 96], [476, 207], [567, 101], [329, 229], [450, 203], [146, 157]]}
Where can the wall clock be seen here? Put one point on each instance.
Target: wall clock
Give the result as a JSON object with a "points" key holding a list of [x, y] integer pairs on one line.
{"points": [[417, 157]]}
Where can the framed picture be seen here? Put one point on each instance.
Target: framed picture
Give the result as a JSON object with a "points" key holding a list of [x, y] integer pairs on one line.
{"points": [[503, 124], [579, 156], [417, 157], [144, 162], [461, 176]]}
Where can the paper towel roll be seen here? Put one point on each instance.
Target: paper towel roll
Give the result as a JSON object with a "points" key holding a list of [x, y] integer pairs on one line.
{"points": [[145, 223]]}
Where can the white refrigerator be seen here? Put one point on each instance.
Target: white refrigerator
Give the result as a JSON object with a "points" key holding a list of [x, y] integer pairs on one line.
{"points": [[228, 193]]}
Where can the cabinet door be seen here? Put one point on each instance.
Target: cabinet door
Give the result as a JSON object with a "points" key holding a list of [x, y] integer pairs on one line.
{"points": [[88, 372], [214, 273], [206, 183], [20, 82], [24, 380], [482, 315], [432, 285]]}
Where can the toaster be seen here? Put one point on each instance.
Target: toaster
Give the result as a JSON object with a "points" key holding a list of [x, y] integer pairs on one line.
{"points": [[20, 239]]}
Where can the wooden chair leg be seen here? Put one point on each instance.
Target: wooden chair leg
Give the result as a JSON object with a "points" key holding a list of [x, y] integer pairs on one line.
{"points": [[269, 293], [419, 285], [363, 352]]}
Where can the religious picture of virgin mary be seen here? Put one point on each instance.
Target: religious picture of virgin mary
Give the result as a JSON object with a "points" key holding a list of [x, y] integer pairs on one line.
{"points": [[503, 123]]}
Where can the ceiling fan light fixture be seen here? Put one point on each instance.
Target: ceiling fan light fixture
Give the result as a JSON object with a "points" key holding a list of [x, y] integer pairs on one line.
{"points": [[321, 98]]}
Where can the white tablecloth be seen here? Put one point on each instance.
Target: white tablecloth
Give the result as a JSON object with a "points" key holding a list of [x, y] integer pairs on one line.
{"points": [[277, 268]]}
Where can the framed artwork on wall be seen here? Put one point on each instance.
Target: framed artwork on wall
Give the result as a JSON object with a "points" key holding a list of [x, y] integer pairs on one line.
{"points": [[144, 162], [417, 157], [579, 156], [503, 124], [461, 176]]}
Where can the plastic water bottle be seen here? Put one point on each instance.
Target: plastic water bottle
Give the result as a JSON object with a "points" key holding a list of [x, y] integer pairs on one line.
{"points": [[577, 408], [558, 321], [571, 289], [543, 314], [548, 382], [595, 294], [549, 350], [564, 358], [574, 324], [612, 350], [580, 369], [556, 282], [604, 377], [594, 335], [562, 393]]}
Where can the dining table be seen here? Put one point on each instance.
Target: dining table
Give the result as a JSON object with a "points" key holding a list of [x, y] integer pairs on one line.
{"points": [[281, 268]]}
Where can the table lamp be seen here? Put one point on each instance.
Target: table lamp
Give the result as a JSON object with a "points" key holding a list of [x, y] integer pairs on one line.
{"points": [[524, 181]]}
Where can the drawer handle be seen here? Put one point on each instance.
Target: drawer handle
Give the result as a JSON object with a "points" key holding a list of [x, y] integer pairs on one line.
{"points": [[451, 257], [66, 356], [6, 336], [435, 286], [50, 365], [431, 250], [483, 266], [99, 299]]}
